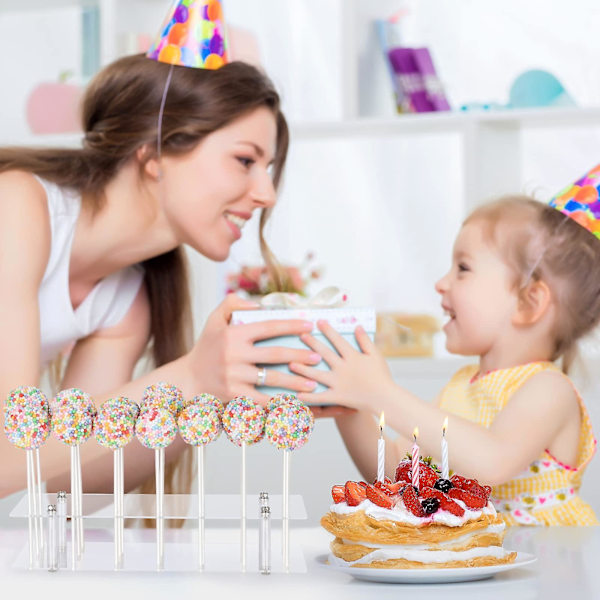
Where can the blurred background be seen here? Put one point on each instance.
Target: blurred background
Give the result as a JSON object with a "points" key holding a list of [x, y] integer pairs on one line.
{"points": [[378, 181]]}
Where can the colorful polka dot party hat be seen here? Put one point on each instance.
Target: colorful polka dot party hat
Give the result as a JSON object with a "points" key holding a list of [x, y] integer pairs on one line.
{"points": [[581, 201], [193, 35]]}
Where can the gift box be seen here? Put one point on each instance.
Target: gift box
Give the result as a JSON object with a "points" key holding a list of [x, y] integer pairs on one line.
{"points": [[344, 320]]}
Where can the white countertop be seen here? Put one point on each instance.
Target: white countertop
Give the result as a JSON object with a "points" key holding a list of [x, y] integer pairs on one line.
{"points": [[567, 568]]}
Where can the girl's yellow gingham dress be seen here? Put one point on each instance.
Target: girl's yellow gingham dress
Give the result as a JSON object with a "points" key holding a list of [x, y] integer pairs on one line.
{"points": [[546, 493]]}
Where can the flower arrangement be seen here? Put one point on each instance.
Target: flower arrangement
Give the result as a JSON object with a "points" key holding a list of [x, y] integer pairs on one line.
{"points": [[258, 281]]}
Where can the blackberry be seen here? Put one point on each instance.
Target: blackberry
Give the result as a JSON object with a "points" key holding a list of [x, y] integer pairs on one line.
{"points": [[444, 485], [430, 505]]}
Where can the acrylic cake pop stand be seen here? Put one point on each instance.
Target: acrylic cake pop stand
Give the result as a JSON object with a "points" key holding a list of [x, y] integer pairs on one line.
{"points": [[181, 545]]}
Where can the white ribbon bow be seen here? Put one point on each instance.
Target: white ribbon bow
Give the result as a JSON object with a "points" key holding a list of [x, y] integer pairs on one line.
{"points": [[329, 297]]}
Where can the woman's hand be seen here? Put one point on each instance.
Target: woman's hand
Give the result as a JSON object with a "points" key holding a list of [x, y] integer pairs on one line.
{"points": [[354, 378], [224, 358]]}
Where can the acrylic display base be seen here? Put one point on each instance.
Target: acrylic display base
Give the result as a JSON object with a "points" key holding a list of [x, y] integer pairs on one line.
{"points": [[181, 552], [222, 546]]}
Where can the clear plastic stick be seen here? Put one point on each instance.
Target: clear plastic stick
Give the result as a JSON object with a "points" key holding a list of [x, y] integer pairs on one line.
{"points": [[33, 536], [264, 540], [38, 495], [243, 499], [118, 506], [61, 518], [52, 554], [74, 536], [159, 467], [79, 491], [201, 513], [285, 522]]}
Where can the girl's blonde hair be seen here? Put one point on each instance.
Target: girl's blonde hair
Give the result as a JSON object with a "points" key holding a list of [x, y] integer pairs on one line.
{"points": [[539, 243]]}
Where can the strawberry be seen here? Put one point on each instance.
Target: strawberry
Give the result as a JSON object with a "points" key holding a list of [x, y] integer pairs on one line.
{"points": [[363, 484], [458, 481], [404, 471], [411, 501], [470, 499], [446, 503], [379, 497], [338, 493], [427, 475], [471, 485], [394, 488], [355, 493]]}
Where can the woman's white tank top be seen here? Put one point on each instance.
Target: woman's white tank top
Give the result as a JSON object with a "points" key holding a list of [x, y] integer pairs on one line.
{"points": [[104, 306]]}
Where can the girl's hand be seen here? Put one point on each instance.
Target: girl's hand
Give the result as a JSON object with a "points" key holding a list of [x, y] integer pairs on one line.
{"points": [[354, 378], [224, 359]]}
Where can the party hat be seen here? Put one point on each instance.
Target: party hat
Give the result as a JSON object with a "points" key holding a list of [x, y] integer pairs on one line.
{"points": [[193, 35], [581, 201]]}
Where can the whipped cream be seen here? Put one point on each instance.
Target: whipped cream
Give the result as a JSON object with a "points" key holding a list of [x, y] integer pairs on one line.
{"points": [[422, 556], [400, 513]]}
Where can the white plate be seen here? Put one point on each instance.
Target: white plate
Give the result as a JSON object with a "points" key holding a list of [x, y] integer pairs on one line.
{"points": [[428, 575]]}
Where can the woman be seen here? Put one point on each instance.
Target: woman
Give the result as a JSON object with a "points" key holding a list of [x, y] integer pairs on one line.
{"points": [[91, 257]]}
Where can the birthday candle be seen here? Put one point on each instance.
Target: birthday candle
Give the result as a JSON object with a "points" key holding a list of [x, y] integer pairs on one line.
{"points": [[415, 459], [381, 451], [445, 470]]}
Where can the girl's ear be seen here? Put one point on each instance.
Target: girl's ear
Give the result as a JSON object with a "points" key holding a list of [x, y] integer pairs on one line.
{"points": [[534, 302], [151, 166]]}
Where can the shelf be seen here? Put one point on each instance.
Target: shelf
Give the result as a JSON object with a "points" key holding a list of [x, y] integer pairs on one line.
{"points": [[452, 121], [8, 6]]}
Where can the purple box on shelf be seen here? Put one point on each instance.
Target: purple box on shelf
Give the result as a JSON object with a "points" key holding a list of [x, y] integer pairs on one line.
{"points": [[417, 78], [433, 86]]}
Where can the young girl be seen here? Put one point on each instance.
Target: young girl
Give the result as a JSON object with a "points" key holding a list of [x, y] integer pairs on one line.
{"points": [[523, 287], [91, 247]]}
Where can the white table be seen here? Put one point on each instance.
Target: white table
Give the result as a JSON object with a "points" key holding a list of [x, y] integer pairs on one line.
{"points": [[568, 567]]}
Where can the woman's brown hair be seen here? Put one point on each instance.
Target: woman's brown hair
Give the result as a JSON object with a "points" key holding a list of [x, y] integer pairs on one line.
{"points": [[119, 117], [538, 242]]}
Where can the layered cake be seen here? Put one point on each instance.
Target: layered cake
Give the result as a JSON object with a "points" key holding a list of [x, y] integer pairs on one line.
{"points": [[442, 523]]}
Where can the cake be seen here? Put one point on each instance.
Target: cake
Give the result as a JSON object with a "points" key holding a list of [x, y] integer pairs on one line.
{"points": [[445, 523]]}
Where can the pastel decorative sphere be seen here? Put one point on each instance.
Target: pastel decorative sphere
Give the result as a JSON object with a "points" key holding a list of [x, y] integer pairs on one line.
{"points": [[73, 397], [211, 401], [199, 424], [283, 398], [163, 395], [26, 418], [155, 428], [288, 426], [115, 423], [71, 424], [244, 421]]}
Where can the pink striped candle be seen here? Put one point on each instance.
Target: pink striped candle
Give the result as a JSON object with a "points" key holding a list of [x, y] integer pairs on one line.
{"points": [[415, 459]]}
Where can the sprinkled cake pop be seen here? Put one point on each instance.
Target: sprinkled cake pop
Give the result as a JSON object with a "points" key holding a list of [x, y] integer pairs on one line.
{"points": [[288, 426], [73, 397], [199, 424], [72, 424], [115, 423], [163, 395], [244, 421], [27, 426], [26, 418], [283, 398], [155, 428], [211, 400]]}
